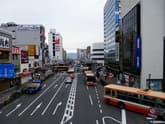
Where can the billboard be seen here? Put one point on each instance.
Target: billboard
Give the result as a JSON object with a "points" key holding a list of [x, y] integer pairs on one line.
{"points": [[31, 50], [24, 56], [7, 71]]}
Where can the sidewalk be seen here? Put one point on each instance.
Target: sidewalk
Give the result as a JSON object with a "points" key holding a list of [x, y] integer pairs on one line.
{"points": [[9, 95]]}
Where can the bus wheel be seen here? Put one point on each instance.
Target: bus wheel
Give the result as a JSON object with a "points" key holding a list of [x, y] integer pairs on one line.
{"points": [[121, 105]]}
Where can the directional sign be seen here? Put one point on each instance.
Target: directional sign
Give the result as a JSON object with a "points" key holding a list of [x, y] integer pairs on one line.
{"points": [[7, 71]]}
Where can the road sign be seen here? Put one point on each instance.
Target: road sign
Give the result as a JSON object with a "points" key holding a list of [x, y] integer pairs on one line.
{"points": [[7, 71]]}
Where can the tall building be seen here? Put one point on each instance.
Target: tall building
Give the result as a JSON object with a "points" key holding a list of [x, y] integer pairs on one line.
{"points": [[30, 38], [97, 53], [143, 23], [112, 34], [81, 55], [55, 43]]}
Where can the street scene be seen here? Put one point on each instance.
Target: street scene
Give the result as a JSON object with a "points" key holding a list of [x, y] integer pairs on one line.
{"points": [[62, 103], [82, 62]]}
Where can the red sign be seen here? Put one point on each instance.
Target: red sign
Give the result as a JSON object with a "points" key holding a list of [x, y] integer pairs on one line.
{"points": [[24, 57], [110, 75], [57, 41], [15, 50]]}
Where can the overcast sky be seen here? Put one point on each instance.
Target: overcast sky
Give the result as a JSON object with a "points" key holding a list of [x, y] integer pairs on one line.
{"points": [[80, 22]]}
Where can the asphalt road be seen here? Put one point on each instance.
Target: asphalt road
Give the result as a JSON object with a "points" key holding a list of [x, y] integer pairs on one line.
{"points": [[60, 103]]}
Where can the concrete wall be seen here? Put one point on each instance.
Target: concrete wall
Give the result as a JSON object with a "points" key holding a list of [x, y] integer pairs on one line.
{"points": [[152, 32], [127, 5]]}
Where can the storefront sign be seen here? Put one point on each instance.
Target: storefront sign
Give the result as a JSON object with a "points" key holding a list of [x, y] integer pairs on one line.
{"points": [[24, 57], [4, 42], [15, 50], [7, 71]]}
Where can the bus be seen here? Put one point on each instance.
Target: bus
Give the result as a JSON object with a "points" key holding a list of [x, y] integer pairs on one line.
{"points": [[58, 68], [71, 73], [90, 78], [144, 101]]}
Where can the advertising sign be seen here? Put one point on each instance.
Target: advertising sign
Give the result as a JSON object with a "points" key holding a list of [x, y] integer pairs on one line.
{"points": [[24, 56], [31, 50], [4, 42], [7, 71], [138, 53], [15, 50]]}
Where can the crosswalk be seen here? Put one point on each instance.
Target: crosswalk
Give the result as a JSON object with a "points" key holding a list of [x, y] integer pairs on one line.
{"points": [[154, 121]]}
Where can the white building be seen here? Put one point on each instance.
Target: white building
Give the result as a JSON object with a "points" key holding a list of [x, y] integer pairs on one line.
{"points": [[147, 18], [30, 38], [98, 53], [55, 43]]}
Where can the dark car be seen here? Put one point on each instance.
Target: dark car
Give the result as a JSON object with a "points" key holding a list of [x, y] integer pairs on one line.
{"points": [[32, 88]]}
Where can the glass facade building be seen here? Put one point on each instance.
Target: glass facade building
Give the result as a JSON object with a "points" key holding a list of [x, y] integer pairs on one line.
{"points": [[111, 26]]}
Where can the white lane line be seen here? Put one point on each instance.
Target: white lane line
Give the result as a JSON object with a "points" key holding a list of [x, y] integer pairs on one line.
{"points": [[55, 86], [58, 105], [111, 118], [157, 122], [90, 98], [99, 106], [1, 112], [123, 114], [52, 98], [87, 87], [66, 85], [101, 111], [98, 101], [69, 109], [70, 122], [37, 98], [97, 122], [19, 105], [37, 107]]}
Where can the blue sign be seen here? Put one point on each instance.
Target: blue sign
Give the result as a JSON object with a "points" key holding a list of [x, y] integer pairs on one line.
{"points": [[7, 71], [138, 53]]}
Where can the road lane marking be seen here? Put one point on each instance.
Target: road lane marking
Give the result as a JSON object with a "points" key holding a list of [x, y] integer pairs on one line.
{"points": [[55, 86], [1, 112], [38, 97], [90, 98], [69, 109], [97, 122], [38, 106], [87, 87], [111, 118], [157, 122], [66, 86], [101, 111], [19, 105], [53, 98], [58, 105], [123, 113]]}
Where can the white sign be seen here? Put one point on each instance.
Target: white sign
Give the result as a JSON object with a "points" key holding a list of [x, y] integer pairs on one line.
{"points": [[4, 42]]}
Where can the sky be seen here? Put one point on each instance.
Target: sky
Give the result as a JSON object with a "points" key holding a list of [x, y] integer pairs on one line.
{"points": [[80, 22]]}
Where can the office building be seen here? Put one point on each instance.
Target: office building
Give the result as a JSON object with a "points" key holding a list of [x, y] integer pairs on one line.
{"points": [[55, 43], [143, 29]]}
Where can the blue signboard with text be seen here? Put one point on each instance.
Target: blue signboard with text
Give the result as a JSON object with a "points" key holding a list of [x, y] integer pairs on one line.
{"points": [[7, 71]]}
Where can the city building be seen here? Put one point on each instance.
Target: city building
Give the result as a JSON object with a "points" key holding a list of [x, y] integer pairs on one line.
{"points": [[81, 55], [55, 42], [97, 53], [6, 66], [30, 38], [143, 23], [112, 34]]}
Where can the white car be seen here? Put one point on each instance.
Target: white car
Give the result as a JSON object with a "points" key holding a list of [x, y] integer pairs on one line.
{"points": [[68, 80]]}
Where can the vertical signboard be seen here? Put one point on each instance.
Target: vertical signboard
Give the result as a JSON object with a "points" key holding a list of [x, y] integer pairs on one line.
{"points": [[7, 71], [138, 53], [24, 56]]}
